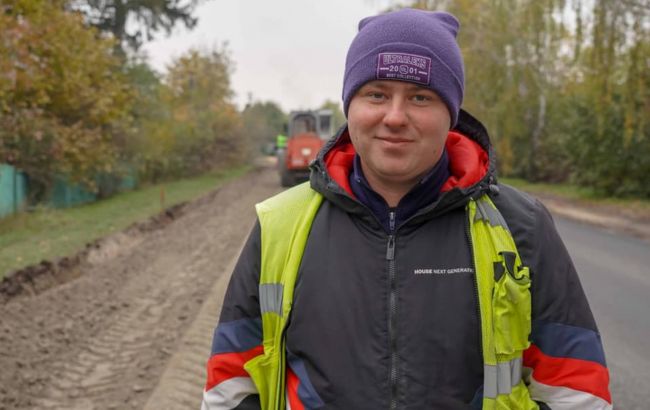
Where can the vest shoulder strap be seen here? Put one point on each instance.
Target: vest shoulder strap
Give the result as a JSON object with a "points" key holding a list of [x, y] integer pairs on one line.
{"points": [[285, 221], [505, 305]]}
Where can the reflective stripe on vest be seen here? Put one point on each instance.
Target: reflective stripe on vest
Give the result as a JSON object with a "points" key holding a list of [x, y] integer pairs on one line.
{"points": [[271, 298], [503, 287], [500, 379]]}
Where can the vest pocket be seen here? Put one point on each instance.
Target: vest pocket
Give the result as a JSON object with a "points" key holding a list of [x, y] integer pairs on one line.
{"points": [[518, 399], [511, 305]]}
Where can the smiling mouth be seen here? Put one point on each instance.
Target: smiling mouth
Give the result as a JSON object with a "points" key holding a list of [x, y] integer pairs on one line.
{"points": [[394, 140]]}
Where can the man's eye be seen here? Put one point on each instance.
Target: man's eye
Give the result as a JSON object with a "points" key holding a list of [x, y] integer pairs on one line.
{"points": [[375, 95], [421, 98]]}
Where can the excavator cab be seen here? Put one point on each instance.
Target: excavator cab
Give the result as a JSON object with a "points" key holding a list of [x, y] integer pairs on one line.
{"points": [[308, 131]]}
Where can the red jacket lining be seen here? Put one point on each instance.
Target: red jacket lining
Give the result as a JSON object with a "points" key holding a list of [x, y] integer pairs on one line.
{"points": [[468, 162]]}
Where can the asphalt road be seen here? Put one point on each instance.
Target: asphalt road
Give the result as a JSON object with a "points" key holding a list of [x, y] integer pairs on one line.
{"points": [[615, 272]]}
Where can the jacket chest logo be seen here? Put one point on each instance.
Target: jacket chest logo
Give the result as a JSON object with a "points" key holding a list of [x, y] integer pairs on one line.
{"points": [[441, 271]]}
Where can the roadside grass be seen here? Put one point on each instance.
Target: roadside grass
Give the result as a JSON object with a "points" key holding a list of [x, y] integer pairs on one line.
{"points": [[582, 195], [28, 238]]}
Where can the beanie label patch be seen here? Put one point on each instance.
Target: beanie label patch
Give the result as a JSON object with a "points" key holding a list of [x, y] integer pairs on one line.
{"points": [[402, 66]]}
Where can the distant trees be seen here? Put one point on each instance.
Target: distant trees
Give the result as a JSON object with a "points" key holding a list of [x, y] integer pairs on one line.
{"points": [[185, 122], [609, 100], [206, 123], [263, 121], [73, 109], [564, 87], [338, 118]]}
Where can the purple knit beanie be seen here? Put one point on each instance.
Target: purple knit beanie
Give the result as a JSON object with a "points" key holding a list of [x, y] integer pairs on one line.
{"points": [[407, 45]]}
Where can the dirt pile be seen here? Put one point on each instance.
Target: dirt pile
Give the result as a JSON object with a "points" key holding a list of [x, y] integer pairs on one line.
{"points": [[34, 279]]}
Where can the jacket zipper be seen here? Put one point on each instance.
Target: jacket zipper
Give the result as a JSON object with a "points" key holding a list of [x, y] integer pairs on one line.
{"points": [[392, 312], [478, 299]]}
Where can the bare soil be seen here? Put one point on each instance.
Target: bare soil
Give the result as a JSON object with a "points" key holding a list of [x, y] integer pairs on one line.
{"points": [[127, 323], [98, 330]]}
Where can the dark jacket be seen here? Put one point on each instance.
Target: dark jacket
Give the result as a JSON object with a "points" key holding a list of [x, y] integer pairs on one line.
{"points": [[365, 333]]}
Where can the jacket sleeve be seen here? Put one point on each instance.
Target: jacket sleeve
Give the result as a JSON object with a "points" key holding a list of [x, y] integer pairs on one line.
{"points": [[565, 365], [238, 336]]}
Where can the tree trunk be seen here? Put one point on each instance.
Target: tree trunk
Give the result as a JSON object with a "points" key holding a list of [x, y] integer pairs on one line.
{"points": [[533, 171]]}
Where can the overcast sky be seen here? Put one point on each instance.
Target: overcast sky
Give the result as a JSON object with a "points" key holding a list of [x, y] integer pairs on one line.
{"points": [[288, 51]]}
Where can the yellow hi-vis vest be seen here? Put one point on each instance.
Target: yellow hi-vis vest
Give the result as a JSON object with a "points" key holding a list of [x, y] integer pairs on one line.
{"points": [[503, 293]]}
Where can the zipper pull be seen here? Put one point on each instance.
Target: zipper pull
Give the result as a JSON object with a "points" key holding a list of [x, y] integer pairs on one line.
{"points": [[390, 249], [391, 221]]}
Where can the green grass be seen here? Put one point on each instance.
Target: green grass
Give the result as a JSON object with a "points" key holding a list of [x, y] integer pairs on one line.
{"points": [[583, 195], [563, 190], [28, 238]]}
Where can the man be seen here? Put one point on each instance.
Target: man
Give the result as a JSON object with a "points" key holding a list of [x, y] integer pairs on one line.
{"points": [[281, 149], [280, 141], [404, 276]]}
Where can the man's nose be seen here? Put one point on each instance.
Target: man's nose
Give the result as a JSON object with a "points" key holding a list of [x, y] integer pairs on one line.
{"points": [[395, 115]]}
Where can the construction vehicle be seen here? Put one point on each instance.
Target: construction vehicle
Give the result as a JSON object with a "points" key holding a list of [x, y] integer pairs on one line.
{"points": [[308, 131]]}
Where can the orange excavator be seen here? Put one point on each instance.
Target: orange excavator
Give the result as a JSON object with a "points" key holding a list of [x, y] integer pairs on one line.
{"points": [[308, 131]]}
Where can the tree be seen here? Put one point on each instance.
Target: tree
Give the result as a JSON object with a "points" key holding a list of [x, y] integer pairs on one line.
{"points": [[62, 94], [205, 123], [610, 142], [263, 121], [151, 16], [149, 145], [338, 118]]}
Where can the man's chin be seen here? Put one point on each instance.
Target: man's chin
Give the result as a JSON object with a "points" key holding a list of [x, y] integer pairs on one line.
{"points": [[397, 176]]}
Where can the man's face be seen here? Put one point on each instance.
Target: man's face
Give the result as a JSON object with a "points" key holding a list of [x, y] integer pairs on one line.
{"points": [[398, 129]]}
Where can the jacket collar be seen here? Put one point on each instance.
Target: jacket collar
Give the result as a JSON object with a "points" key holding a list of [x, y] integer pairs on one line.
{"points": [[425, 192]]}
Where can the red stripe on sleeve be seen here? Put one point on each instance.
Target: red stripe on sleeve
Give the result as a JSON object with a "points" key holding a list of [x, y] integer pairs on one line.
{"points": [[577, 374], [224, 366], [292, 390]]}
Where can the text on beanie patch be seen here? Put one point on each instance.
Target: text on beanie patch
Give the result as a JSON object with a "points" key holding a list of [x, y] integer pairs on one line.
{"points": [[401, 66]]}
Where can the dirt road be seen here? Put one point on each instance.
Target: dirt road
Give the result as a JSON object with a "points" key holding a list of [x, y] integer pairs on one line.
{"points": [[133, 330]]}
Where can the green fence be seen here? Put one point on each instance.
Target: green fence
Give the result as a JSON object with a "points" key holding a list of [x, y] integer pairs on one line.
{"points": [[64, 194], [13, 190]]}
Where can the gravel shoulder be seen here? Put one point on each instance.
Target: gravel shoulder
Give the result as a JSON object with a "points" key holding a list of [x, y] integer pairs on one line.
{"points": [[616, 218]]}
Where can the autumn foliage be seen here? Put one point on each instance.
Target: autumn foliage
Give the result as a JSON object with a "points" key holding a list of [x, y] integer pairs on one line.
{"points": [[61, 93], [563, 86], [72, 107]]}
